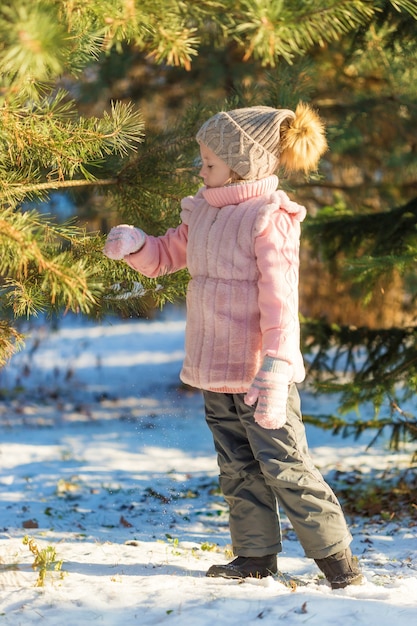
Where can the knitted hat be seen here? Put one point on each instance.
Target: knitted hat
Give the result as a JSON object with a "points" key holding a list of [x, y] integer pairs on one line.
{"points": [[247, 139]]}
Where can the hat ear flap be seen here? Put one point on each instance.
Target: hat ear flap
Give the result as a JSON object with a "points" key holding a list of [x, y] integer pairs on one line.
{"points": [[303, 140]]}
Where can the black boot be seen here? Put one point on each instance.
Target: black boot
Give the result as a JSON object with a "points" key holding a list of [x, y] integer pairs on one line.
{"points": [[246, 567], [341, 569]]}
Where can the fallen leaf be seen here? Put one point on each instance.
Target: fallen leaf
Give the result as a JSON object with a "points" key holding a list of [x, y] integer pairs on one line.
{"points": [[30, 523]]}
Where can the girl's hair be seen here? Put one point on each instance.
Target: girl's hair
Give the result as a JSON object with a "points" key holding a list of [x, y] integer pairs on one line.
{"points": [[302, 140], [235, 178]]}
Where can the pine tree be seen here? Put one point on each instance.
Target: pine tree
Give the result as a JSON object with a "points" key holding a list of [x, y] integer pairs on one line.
{"points": [[45, 145], [367, 235], [361, 58]]}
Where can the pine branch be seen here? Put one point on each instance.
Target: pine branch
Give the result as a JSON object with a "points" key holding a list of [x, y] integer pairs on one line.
{"points": [[10, 342], [124, 291], [36, 272], [70, 33], [361, 364], [402, 428], [163, 171], [367, 248], [409, 6], [269, 30], [35, 44], [48, 140], [376, 234], [36, 189]]}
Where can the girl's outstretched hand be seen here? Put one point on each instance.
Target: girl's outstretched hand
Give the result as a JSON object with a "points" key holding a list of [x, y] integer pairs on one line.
{"points": [[123, 240], [270, 390]]}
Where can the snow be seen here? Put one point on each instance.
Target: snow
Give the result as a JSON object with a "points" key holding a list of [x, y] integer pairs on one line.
{"points": [[107, 459]]}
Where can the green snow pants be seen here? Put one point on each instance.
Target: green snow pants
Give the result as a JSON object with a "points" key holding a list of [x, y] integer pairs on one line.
{"points": [[262, 470]]}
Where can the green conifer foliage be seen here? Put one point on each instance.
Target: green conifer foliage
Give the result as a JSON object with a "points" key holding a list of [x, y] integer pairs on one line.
{"points": [[361, 59], [367, 233]]}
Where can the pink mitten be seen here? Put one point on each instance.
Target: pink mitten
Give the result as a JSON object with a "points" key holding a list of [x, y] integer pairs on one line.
{"points": [[270, 389], [123, 240]]}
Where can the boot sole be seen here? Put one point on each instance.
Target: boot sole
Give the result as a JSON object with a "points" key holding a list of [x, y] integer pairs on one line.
{"points": [[356, 580], [224, 571]]}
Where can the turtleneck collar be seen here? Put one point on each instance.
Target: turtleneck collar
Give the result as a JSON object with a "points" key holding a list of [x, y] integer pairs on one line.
{"points": [[239, 192]]}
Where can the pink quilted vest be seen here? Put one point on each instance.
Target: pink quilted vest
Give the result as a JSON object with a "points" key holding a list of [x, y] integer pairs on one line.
{"points": [[241, 246]]}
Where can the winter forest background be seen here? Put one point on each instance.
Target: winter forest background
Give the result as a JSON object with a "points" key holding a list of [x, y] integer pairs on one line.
{"points": [[99, 105]]}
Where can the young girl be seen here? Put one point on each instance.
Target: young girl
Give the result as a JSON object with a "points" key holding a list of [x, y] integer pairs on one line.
{"points": [[239, 238]]}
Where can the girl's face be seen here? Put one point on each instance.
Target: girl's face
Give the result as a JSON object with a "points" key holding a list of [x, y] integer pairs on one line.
{"points": [[214, 171]]}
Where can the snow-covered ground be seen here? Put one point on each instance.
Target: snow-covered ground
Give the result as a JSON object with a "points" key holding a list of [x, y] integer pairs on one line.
{"points": [[105, 459]]}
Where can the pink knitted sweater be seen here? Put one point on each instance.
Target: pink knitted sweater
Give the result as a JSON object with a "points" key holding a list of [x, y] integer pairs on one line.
{"points": [[241, 246]]}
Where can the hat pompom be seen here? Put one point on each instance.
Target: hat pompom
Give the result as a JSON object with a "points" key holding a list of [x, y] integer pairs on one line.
{"points": [[303, 140]]}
